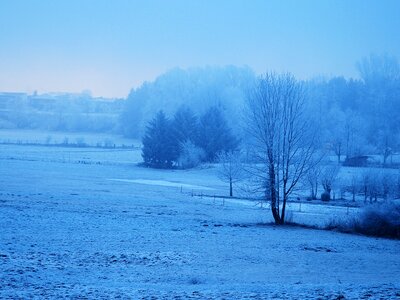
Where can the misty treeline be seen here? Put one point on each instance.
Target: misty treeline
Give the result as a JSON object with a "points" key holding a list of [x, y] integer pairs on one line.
{"points": [[355, 117], [60, 112], [197, 88], [359, 117]]}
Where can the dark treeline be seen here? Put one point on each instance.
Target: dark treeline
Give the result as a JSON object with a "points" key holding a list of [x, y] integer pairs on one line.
{"points": [[186, 140]]}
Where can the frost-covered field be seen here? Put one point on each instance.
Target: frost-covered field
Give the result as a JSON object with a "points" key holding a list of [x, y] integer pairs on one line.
{"points": [[27, 136], [79, 223]]}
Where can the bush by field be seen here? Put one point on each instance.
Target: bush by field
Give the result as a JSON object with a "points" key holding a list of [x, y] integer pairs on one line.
{"points": [[381, 220]]}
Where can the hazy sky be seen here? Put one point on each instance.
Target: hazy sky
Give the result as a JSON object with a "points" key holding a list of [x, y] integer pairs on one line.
{"points": [[111, 46]]}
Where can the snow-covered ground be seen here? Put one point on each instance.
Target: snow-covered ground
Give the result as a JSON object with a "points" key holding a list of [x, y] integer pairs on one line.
{"points": [[26, 136], [67, 230]]}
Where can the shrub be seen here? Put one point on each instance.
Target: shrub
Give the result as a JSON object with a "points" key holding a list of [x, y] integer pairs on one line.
{"points": [[325, 196], [190, 155], [382, 220]]}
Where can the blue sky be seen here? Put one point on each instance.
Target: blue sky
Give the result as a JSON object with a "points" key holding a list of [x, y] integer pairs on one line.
{"points": [[111, 46]]}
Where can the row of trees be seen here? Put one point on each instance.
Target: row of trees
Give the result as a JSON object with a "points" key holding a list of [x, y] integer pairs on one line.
{"points": [[359, 116], [186, 140], [288, 128], [282, 139], [369, 183]]}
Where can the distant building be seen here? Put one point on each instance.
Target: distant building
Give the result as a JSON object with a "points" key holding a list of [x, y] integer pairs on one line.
{"points": [[356, 161]]}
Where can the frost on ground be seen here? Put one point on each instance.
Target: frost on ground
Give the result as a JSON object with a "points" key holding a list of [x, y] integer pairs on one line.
{"points": [[68, 231], [165, 183]]}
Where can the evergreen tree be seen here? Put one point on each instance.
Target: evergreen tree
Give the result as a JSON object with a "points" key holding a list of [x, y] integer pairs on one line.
{"points": [[159, 146], [185, 125], [215, 136]]}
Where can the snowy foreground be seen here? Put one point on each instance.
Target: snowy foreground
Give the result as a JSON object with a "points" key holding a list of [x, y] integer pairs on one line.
{"points": [[90, 223]]}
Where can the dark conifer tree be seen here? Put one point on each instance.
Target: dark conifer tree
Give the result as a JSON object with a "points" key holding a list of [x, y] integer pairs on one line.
{"points": [[215, 136], [159, 146], [185, 125]]}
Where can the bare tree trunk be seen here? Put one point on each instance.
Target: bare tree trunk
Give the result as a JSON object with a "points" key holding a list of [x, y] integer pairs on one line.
{"points": [[272, 191], [230, 187], [283, 209], [347, 142]]}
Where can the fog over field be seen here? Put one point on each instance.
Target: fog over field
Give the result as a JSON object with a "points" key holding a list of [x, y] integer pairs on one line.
{"points": [[199, 149]]}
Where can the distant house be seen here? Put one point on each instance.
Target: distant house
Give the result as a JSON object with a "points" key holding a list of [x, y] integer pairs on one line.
{"points": [[356, 161]]}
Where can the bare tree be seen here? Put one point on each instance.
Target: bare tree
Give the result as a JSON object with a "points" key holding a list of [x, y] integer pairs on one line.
{"points": [[336, 131], [385, 143], [230, 168], [283, 138], [371, 181], [374, 187], [353, 186], [365, 183], [388, 181], [337, 147], [313, 178], [328, 177]]}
